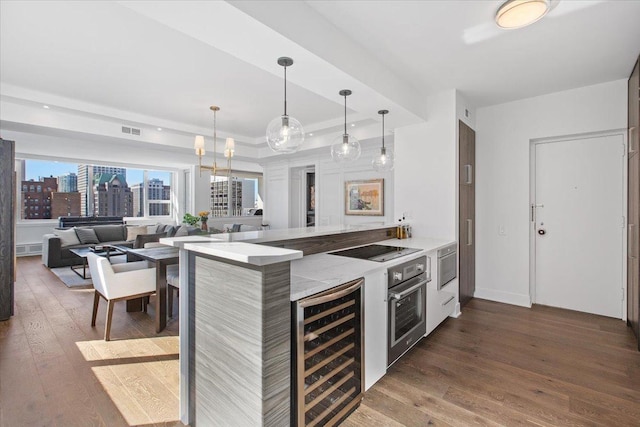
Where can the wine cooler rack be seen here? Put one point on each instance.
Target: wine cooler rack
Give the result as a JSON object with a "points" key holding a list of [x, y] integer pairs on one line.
{"points": [[328, 367]]}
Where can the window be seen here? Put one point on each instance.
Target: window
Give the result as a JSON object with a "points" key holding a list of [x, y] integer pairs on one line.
{"points": [[238, 197], [94, 190]]}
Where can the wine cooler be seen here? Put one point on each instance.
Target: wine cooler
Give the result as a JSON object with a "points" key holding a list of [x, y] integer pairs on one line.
{"points": [[328, 363]]}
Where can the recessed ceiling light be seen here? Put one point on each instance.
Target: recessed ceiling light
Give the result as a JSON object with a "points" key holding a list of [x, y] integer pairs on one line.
{"points": [[353, 124], [520, 13], [310, 134], [46, 107], [159, 129]]}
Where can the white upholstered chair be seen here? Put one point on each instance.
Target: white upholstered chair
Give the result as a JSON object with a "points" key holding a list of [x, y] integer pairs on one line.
{"points": [[173, 280], [117, 283]]}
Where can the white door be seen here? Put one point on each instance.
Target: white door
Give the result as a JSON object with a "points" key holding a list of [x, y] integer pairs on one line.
{"points": [[578, 224]]}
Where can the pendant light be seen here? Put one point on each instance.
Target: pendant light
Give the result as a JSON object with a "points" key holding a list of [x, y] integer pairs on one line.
{"points": [[346, 148], [384, 161], [285, 134], [229, 149]]}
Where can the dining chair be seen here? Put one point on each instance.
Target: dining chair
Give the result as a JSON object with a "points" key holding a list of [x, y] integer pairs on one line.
{"points": [[119, 282], [173, 280]]}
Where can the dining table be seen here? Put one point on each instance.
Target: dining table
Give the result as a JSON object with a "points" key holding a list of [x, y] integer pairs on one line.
{"points": [[160, 257]]}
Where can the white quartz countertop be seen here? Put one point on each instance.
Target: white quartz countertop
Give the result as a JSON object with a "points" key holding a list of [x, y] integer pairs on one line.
{"points": [[310, 274], [262, 236], [245, 252], [320, 272]]}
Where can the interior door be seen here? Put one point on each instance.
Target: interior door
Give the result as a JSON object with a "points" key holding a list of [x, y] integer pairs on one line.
{"points": [[579, 224], [467, 213]]}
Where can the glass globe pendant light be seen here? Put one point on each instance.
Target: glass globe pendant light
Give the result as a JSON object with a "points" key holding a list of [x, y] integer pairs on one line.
{"points": [[284, 133], [383, 162], [346, 148]]}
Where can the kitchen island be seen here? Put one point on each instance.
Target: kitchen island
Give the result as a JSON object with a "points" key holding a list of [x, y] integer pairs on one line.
{"points": [[235, 324]]}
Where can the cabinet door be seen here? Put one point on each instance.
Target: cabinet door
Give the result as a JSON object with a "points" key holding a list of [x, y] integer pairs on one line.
{"points": [[375, 331], [633, 205], [467, 215]]}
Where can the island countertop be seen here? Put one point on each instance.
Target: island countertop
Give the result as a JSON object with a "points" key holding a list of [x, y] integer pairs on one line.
{"points": [[268, 236], [320, 272], [310, 274]]}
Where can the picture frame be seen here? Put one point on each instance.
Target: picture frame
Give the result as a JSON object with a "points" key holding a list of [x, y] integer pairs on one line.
{"points": [[364, 197]]}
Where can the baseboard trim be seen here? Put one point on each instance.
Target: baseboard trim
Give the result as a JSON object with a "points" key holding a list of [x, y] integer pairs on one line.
{"points": [[505, 297]]}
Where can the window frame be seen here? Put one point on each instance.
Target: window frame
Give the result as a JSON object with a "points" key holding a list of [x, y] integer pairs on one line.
{"points": [[173, 214]]}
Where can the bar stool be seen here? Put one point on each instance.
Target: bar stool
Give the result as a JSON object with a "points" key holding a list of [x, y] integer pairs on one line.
{"points": [[173, 282]]}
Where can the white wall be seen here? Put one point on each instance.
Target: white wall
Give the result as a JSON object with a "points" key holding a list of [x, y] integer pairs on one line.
{"points": [[503, 136], [425, 173], [330, 182]]}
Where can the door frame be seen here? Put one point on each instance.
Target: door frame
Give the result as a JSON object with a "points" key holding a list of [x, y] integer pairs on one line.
{"points": [[533, 143]]}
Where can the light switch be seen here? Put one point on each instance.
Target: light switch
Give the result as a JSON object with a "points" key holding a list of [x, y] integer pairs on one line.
{"points": [[502, 230]]}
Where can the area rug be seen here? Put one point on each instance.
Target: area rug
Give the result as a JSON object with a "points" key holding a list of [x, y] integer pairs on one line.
{"points": [[71, 279]]}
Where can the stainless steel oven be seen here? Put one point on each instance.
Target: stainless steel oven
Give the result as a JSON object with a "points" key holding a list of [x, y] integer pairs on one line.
{"points": [[447, 265], [407, 289]]}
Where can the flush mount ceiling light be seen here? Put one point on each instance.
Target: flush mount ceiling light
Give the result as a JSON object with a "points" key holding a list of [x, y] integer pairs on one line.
{"points": [[285, 134], [229, 149], [346, 148], [520, 13], [384, 161]]}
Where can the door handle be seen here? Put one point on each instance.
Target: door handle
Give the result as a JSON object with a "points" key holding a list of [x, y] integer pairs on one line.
{"points": [[469, 172], [469, 232], [400, 295]]}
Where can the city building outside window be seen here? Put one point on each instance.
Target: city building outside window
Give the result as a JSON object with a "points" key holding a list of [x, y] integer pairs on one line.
{"points": [[239, 196], [51, 189]]}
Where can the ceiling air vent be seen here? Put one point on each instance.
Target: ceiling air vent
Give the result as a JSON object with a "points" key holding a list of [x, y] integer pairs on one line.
{"points": [[130, 130]]}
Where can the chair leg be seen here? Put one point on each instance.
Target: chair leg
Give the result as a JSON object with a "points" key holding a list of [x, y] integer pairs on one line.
{"points": [[170, 300], [96, 301], [107, 326]]}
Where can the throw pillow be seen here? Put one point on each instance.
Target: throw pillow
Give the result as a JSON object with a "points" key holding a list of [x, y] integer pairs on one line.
{"points": [[171, 230], [86, 235], [132, 232], [182, 231], [109, 233], [67, 237], [152, 229]]}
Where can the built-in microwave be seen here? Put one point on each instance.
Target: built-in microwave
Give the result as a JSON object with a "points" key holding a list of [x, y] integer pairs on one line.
{"points": [[447, 265]]}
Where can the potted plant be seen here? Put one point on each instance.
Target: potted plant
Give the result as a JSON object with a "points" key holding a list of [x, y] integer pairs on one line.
{"points": [[190, 219]]}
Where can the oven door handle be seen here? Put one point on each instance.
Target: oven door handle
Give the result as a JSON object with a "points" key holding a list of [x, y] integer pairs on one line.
{"points": [[400, 295]]}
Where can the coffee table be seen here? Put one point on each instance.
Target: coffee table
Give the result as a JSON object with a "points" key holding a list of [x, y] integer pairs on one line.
{"points": [[108, 251]]}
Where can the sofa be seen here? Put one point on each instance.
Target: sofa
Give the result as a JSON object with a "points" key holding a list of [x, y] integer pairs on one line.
{"points": [[56, 247], [233, 228]]}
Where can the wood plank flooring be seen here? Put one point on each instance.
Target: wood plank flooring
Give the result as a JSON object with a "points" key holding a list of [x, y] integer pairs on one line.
{"points": [[504, 365], [495, 365], [56, 370]]}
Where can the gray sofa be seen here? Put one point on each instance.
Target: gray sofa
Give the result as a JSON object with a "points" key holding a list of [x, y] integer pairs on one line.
{"points": [[56, 255]]}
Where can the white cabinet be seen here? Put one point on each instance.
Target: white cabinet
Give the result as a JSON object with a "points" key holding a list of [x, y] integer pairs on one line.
{"points": [[375, 329], [440, 303]]}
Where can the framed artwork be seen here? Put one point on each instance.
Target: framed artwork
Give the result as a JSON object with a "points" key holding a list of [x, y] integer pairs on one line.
{"points": [[364, 197]]}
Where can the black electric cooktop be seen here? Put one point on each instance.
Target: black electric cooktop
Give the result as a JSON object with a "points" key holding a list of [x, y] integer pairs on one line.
{"points": [[379, 253]]}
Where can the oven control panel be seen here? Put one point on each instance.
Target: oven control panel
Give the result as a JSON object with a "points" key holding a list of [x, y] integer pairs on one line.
{"points": [[406, 270]]}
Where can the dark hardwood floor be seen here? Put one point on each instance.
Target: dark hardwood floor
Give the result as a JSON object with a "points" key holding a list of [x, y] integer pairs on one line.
{"points": [[495, 365], [499, 364]]}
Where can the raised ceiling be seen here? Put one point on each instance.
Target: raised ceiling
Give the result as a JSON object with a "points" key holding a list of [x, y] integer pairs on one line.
{"points": [[168, 61]]}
